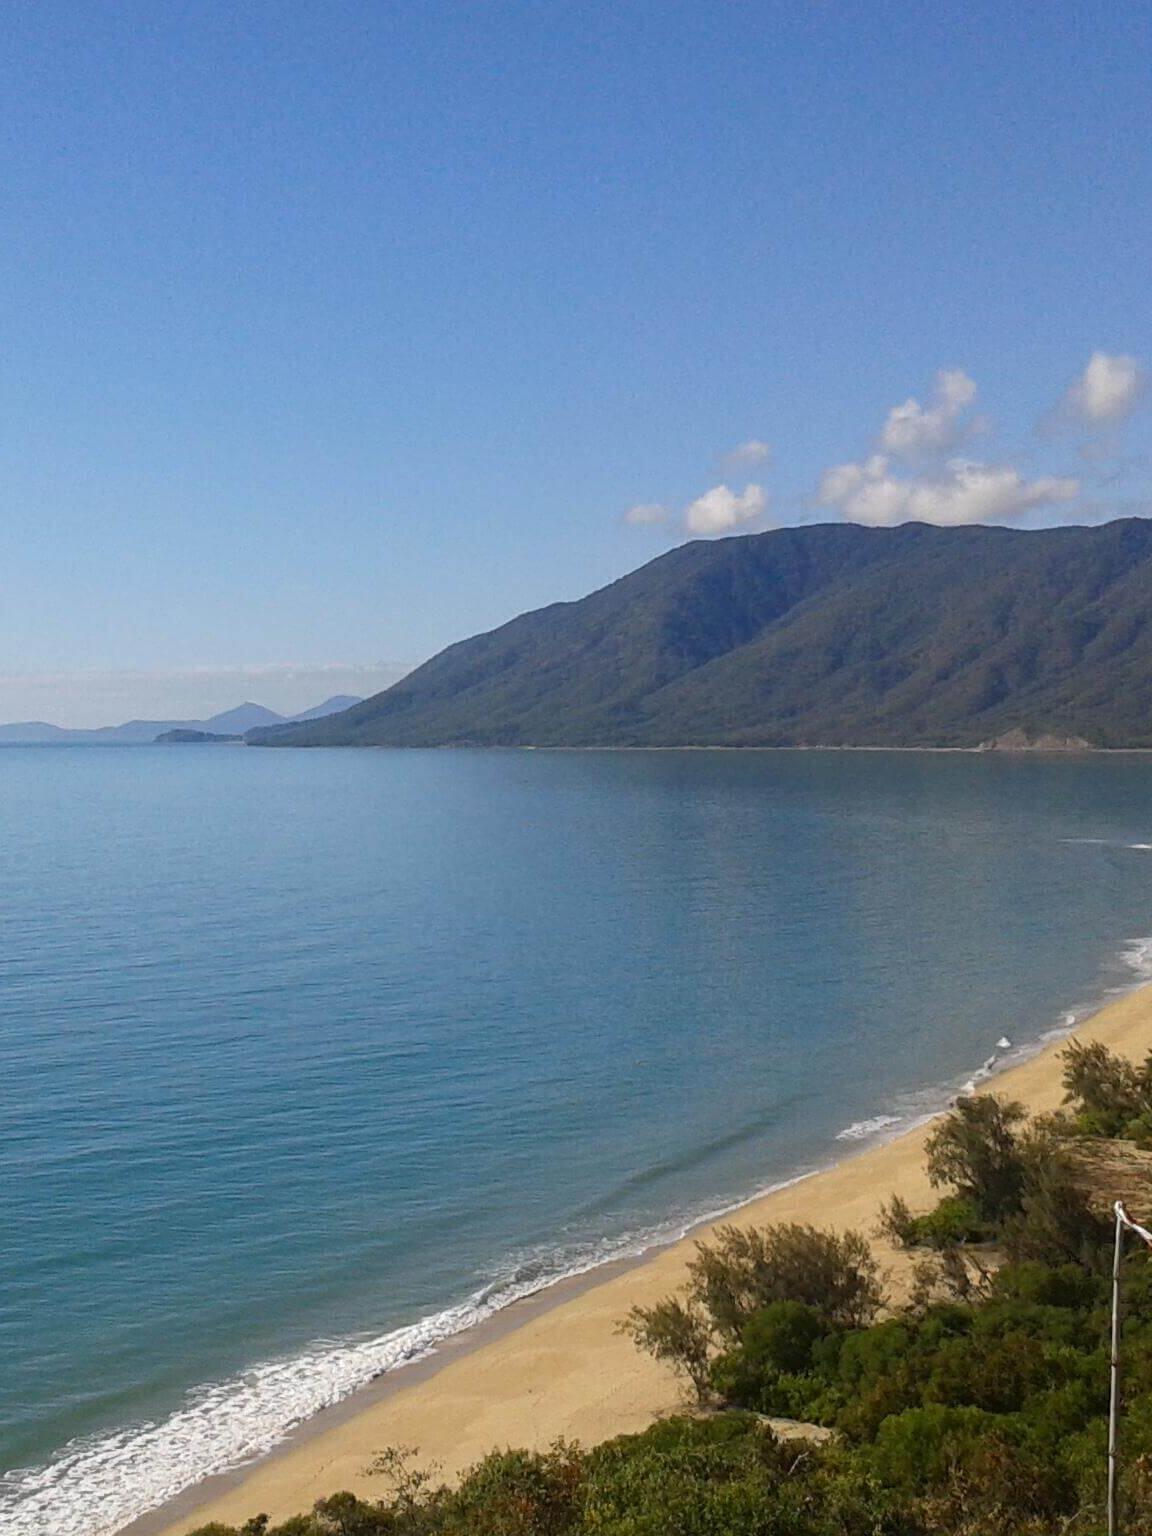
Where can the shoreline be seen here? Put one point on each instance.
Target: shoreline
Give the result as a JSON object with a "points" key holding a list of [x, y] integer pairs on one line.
{"points": [[979, 750], [551, 1365]]}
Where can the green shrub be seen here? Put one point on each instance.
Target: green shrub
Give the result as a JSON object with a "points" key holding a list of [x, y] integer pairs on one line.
{"points": [[976, 1151], [767, 1371], [1064, 1285], [954, 1220], [1055, 1223], [748, 1268], [924, 1446], [1107, 1093], [519, 1493], [782, 1336]]}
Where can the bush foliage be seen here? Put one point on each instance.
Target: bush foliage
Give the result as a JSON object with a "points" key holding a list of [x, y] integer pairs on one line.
{"points": [[1107, 1095], [745, 1270]]}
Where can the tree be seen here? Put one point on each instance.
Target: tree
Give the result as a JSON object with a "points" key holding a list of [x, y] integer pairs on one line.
{"points": [[677, 1333], [745, 1270], [1055, 1223], [1110, 1096], [976, 1150], [748, 1268]]}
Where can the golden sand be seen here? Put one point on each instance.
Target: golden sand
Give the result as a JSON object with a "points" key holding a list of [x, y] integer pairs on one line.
{"points": [[564, 1371]]}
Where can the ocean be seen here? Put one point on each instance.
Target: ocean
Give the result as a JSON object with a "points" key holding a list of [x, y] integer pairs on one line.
{"points": [[313, 1059]]}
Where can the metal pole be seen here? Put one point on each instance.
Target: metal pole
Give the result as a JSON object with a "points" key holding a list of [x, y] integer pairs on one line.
{"points": [[1114, 1381]]}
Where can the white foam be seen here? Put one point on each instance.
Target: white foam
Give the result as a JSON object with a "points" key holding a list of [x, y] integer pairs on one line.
{"points": [[1067, 1024], [1104, 842], [925, 1105], [860, 1129], [1137, 956]]}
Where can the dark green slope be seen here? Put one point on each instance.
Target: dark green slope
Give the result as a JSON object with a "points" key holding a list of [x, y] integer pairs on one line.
{"points": [[833, 634]]}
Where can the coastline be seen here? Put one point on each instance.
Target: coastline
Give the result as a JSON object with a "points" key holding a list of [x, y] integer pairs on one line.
{"points": [[552, 1365]]}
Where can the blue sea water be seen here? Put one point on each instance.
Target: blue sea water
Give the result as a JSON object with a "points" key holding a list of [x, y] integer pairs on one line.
{"points": [[309, 1059]]}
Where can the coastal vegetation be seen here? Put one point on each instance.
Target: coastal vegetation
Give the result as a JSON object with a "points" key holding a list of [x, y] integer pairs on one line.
{"points": [[973, 1404], [829, 635]]}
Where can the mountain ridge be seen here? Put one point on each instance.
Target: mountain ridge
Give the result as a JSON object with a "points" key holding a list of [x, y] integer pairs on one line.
{"points": [[824, 635], [230, 722]]}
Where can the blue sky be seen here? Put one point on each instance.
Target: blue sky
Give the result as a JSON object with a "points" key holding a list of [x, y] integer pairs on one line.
{"points": [[334, 333]]}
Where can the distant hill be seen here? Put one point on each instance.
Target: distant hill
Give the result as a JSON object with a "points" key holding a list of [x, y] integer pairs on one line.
{"points": [[131, 733], [245, 717], [826, 635], [331, 706], [231, 723]]}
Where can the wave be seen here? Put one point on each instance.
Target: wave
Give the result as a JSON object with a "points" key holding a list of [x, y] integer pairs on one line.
{"points": [[925, 1104], [859, 1130], [1137, 956], [915, 1108], [1106, 842], [1067, 1024]]}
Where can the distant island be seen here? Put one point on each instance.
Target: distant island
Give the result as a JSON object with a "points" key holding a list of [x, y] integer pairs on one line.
{"points": [[184, 737], [830, 635], [227, 726]]}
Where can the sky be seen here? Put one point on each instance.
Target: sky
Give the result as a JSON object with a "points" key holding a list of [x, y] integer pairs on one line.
{"points": [[336, 333]]}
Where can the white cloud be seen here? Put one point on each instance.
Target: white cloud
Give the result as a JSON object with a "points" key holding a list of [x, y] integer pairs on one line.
{"points": [[1107, 390], [646, 512], [839, 484], [754, 451], [914, 431], [721, 509], [962, 492]]}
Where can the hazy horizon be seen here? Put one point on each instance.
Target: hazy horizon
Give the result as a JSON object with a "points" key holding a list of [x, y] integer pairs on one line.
{"points": [[83, 700]]}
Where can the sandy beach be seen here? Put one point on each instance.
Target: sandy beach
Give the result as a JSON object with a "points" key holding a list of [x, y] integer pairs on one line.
{"points": [[555, 1366]]}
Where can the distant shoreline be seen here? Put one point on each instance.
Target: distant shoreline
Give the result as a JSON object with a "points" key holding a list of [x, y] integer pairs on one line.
{"points": [[977, 751], [1080, 751], [553, 1365]]}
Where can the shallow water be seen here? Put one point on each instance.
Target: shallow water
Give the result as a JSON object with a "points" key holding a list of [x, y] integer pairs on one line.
{"points": [[310, 1058]]}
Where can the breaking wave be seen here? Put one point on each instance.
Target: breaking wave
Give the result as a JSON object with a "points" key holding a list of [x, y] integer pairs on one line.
{"points": [[860, 1130]]}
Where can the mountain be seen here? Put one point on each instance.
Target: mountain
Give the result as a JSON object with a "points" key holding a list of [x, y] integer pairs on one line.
{"points": [[131, 733], [231, 723], [245, 717], [825, 635], [332, 706]]}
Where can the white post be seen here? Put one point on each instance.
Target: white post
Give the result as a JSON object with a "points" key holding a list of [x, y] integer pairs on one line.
{"points": [[1114, 1374]]}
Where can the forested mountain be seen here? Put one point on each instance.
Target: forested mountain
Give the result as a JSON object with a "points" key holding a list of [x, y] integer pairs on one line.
{"points": [[825, 635]]}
